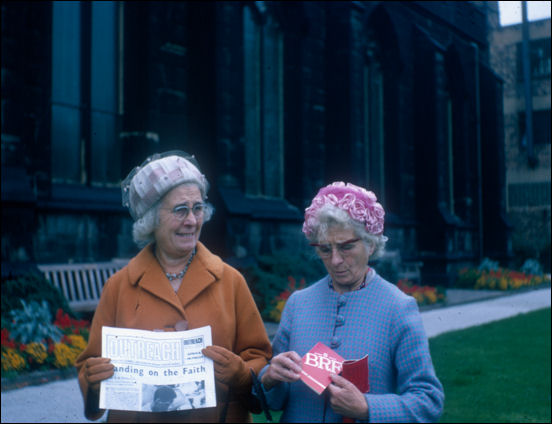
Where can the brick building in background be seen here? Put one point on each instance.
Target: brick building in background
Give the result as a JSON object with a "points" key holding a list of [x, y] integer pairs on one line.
{"points": [[275, 99], [527, 167]]}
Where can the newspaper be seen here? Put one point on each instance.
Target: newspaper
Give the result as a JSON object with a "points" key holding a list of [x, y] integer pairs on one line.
{"points": [[157, 371]]}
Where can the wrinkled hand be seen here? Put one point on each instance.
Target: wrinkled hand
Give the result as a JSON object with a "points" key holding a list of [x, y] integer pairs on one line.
{"points": [[230, 369], [283, 367], [346, 399], [97, 369]]}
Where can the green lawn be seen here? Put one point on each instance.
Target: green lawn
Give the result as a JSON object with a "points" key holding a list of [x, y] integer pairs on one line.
{"points": [[497, 372]]}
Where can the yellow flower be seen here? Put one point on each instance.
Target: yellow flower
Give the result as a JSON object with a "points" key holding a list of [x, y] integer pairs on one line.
{"points": [[11, 360], [276, 313], [480, 282], [431, 297], [517, 283], [503, 284], [77, 342], [37, 351], [65, 355], [419, 297]]}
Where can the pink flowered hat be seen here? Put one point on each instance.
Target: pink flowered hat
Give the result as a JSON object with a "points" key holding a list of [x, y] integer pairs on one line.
{"points": [[360, 204]]}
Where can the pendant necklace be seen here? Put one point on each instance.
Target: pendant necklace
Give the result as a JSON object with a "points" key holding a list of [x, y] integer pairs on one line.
{"points": [[181, 274]]}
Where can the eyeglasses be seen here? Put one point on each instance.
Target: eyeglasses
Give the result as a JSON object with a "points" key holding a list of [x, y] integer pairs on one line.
{"points": [[181, 212], [345, 248]]}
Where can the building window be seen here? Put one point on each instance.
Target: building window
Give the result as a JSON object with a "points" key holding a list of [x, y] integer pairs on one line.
{"points": [[263, 93], [522, 195], [85, 93], [539, 58], [374, 125], [541, 128]]}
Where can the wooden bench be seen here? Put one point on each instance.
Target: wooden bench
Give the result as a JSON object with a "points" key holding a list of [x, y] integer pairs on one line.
{"points": [[410, 270], [82, 283]]}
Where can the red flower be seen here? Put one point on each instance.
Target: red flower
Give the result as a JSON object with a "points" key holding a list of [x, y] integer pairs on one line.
{"points": [[291, 284], [6, 339], [81, 324], [65, 322], [62, 319], [284, 295]]}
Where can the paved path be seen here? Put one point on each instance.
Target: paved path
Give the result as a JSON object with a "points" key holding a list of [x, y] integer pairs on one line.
{"points": [[442, 320], [61, 401]]}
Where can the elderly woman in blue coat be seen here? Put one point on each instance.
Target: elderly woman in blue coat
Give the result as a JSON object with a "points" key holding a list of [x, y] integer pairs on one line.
{"points": [[355, 312]]}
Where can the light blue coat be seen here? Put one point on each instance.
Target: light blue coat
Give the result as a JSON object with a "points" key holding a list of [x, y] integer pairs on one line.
{"points": [[379, 320]]}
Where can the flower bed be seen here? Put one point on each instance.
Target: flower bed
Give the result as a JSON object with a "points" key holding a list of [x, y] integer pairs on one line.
{"points": [[424, 295], [277, 306], [47, 354], [498, 279]]}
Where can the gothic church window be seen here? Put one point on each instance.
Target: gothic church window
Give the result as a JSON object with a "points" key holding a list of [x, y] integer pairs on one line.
{"points": [[374, 122], [85, 93], [263, 93]]}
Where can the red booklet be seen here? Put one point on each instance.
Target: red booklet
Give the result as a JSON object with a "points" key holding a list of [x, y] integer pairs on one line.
{"points": [[318, 364], [357, 373], [321, 361]]}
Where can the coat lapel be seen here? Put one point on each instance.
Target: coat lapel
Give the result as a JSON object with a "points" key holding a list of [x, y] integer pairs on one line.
{"points": [[204, 270], [145, 271]]}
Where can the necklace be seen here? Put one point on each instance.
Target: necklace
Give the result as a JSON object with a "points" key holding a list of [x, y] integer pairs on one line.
{"points": [[178, 276], [367, 277]]}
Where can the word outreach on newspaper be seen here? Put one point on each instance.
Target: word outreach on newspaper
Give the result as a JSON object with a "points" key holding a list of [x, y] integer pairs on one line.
{"points": [[157, 371]]}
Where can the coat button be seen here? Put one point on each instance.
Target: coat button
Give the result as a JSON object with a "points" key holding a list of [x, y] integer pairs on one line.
{"points": [[335, 342]]}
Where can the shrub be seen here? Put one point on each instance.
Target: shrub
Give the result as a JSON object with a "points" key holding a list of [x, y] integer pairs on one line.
{"points": [[33, 323], [467, 277], [270, 278], [265, 287], [532, 267], [488, 265], [278, 304], [545, 258], [31, 287]]}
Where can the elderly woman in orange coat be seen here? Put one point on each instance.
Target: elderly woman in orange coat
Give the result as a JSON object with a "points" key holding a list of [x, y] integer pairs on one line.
{"points": [[176, 283]]}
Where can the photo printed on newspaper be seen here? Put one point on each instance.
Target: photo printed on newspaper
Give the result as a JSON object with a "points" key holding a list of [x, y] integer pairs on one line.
{"points": [[157, 371]]}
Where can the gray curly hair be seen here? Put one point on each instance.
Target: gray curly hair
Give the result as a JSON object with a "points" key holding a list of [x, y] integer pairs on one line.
{"points": [[330, 216], [144, 228]]}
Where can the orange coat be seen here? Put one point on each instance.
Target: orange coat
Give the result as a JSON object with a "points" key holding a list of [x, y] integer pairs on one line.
{"points": [[212, 293]]}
